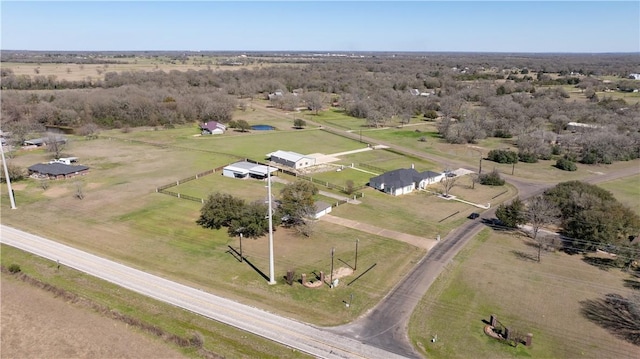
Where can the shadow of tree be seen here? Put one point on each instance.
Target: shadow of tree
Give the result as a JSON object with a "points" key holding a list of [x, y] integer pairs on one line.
{"points": [[617, 314], [601, 263], [631, 283], [525, 256]]}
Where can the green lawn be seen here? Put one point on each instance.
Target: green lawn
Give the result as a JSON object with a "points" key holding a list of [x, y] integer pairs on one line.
{"points": [[122, 217], [626, 190], [489, 277]]}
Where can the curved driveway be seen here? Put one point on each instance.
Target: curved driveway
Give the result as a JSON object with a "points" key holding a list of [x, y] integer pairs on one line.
{"points": [[382, 333]]}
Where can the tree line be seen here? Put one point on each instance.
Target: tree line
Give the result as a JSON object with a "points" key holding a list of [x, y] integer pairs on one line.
{"points": [[470, 100]]}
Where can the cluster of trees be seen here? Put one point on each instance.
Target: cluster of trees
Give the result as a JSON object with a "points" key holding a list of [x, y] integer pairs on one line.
{"points": [[590, 218], [294, 209], [471, 104]]}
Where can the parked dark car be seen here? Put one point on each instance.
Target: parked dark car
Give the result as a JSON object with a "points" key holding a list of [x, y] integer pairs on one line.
{"points": [[473, 215]]}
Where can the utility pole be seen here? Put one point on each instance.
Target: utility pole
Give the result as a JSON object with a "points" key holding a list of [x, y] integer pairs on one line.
{"points": [[241, 247], [331, 275], [272, 279], [6, 175], [355, 265]]}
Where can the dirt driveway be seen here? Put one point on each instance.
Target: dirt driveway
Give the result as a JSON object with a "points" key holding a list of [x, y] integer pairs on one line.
{"points": [[35, 324]]}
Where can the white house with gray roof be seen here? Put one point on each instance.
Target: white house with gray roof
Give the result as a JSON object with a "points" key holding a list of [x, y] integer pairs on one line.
{"points": [[404, 180]]}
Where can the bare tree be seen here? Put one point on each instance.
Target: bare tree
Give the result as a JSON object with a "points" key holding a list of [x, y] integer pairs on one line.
{"points": [[540, 212], [447, 184], [55, 144], [314, 101], [79, 194]]}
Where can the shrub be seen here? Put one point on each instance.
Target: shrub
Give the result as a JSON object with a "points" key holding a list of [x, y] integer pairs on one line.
{"points": [[430, 115], [14, 268], [503, 156], [528, 157], [15, 173], [566, 165], [491, 179]]}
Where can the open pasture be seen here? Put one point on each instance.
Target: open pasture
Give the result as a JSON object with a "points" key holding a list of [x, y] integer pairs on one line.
{"points": [[386, 160], [493, 275], [626, 191], [122, 217], [336, 117], [95, 72], [254, 144]]}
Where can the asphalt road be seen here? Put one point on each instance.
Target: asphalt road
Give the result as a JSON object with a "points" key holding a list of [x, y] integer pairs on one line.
{"points": [[303, 337], [386, 326], [382, 333]]}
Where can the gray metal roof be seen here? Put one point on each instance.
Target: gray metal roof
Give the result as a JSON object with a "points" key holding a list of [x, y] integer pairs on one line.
{"points": [[56, 169]]}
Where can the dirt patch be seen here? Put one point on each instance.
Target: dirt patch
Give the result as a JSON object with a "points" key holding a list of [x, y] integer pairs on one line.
{"points": [[37, 325], [342, 272], [55, 192], [18, 186]]}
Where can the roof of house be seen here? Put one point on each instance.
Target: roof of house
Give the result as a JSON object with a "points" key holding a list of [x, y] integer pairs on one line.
{"points": [[253, 168], [397, 178], [402, 177], [287, 155], [56, 169], [212, 125], [430, 174], [321, 206]]}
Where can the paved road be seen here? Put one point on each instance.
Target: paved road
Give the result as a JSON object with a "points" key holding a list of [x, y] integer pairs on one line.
{"points": [[386, 326], [303, 337]]}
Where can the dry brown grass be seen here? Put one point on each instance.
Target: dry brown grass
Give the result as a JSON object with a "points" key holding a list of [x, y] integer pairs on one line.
{"points": [[95, 72], [497, 276], [37, 325]]}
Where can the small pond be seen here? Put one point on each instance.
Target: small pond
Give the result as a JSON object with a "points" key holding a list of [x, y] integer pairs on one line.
{"points": [[262, 127]]}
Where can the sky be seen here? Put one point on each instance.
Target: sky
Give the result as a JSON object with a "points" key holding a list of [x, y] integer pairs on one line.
{"points": [[322, 26]]}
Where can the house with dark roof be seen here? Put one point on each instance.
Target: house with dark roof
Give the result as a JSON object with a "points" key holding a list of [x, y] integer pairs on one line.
{"points": [[56, 170], [404, 180], [212, 128]]}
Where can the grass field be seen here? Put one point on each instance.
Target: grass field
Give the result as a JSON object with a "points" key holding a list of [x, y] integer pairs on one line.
{"points": [[122, 218], [79, 72], [626, 191], [492, 276], [218, 338], [255, 144]]}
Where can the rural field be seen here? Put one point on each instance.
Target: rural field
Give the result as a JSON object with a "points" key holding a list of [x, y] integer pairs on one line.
{"points": [[128, 221], [124, 216], [494, 274], [94, 72], [82, 316]]}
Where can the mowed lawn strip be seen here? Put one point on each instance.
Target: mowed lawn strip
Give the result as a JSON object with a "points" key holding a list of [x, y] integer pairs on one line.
{"points": [[218, 338], [492, 276]]}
